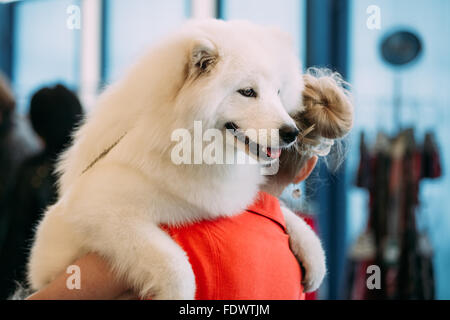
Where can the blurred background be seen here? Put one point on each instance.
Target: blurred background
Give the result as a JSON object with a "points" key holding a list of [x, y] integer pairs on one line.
{"points": [[387, 206]]}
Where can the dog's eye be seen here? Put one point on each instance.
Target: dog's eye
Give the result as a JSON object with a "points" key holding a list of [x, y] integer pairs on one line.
{"points": [[279, 91], [248, 92]]}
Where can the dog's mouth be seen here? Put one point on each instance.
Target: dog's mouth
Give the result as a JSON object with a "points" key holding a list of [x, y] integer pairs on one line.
{"points": [[269, 153]]}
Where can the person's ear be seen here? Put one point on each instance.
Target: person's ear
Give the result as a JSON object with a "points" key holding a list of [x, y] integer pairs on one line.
{"points": [[306, 170]]}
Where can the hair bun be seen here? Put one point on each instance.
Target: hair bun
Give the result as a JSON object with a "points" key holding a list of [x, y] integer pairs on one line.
{"points": [[327, 104]]}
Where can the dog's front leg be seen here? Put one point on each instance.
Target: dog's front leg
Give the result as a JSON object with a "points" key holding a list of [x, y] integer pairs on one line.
{"points": [[113, 208], [149, 260], [306, 246]]}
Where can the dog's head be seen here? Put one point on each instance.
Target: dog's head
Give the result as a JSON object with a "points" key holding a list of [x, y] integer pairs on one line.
{"points": [[243, 79]]}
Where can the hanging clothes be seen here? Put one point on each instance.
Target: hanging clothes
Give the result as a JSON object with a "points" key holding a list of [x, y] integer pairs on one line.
{"points": [[392, 172]]}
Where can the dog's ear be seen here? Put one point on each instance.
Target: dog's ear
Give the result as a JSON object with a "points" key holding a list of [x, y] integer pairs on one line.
{"points": [[203, 57]]}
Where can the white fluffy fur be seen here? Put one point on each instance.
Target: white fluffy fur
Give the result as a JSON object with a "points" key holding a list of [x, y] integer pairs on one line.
{"points": [[307, 248], [115, 207]]}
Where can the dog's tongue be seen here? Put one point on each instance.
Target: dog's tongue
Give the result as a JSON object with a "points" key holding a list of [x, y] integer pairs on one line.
{"points": [[273, 153]]}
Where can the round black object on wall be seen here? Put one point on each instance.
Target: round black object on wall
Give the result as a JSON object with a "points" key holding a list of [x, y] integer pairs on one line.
{"points": [[401, 47]]}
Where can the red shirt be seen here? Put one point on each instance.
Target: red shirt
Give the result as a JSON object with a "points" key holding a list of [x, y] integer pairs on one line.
{"points": [[243, 257]]}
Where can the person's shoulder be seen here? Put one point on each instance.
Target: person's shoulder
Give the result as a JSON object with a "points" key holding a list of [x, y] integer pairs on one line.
{"points": [[21, 139], [35, 164]]}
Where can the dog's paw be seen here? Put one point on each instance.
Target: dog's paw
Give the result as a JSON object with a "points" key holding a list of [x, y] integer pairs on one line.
{"points": [[177, 288], [175, 282], [312, 258], [307, 248]]}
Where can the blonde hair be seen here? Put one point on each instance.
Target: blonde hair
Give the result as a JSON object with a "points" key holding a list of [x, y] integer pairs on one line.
{"points": [[326, 115]]}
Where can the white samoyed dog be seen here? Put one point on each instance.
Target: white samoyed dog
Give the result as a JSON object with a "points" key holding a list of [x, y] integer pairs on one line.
{"points": [[118, 183]]}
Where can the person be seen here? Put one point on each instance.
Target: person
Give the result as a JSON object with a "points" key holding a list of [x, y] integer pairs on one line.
{"points": [[16, 143], [245, 256], [54, 112]]}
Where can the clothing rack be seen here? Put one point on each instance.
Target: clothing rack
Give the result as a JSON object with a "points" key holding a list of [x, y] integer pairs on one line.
{"points": [[391, 171]]}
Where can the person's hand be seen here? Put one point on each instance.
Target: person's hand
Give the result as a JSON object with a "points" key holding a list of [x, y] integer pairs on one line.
{"points": [[98, 282]]}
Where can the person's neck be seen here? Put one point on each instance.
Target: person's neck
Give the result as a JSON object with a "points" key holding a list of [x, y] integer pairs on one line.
{"points": [[273, 189]]}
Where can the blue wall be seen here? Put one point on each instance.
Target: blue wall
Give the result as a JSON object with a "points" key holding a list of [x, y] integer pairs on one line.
{"points": [[426, 96], [132, 26], [45, 49]]}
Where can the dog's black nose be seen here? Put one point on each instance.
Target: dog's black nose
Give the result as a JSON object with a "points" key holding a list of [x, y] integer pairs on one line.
{"points": [[288, 133]]}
